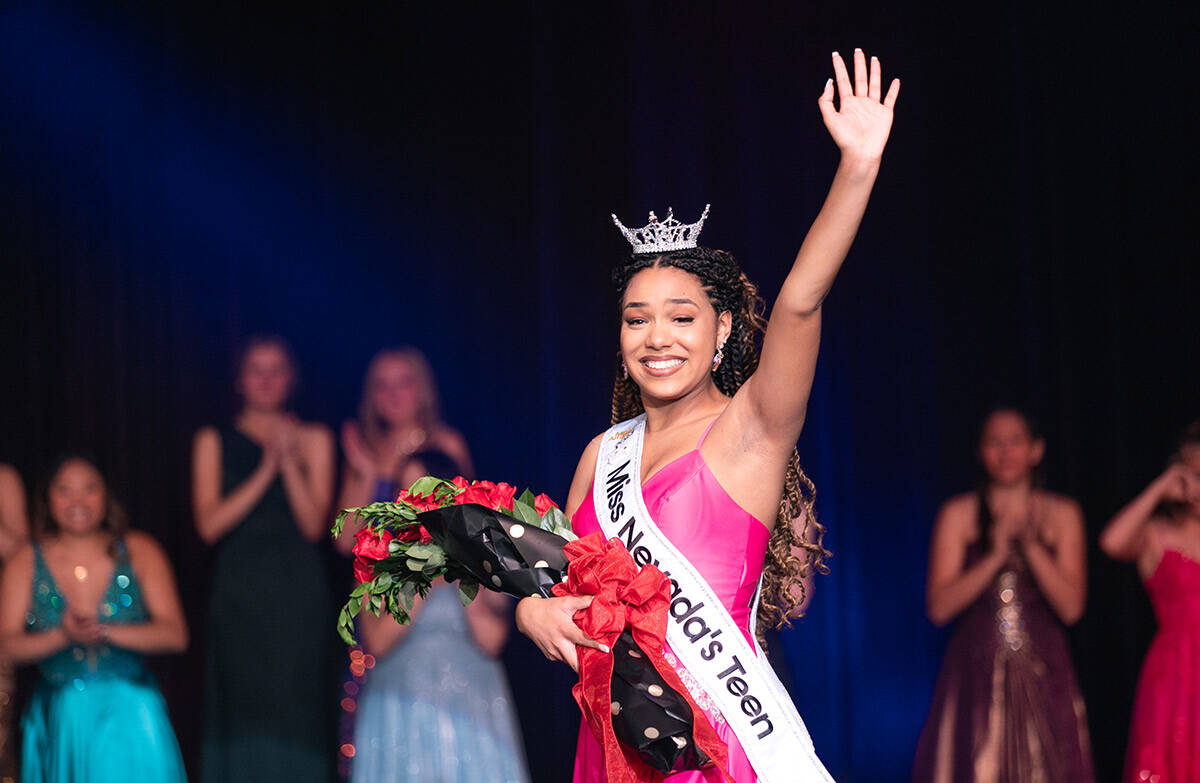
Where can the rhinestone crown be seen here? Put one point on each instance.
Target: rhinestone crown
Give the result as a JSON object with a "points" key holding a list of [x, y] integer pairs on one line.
{"points": [[661, 237]]}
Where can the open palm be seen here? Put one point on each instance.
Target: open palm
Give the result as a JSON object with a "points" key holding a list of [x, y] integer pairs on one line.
{"points": [[863, 118]]}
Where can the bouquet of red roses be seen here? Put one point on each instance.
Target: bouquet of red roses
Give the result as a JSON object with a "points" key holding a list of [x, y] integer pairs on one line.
{"points": [[483, 533], [397, 557]]}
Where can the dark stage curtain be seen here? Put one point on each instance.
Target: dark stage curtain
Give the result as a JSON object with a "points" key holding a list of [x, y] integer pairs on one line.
{"points": [[174, 178]]}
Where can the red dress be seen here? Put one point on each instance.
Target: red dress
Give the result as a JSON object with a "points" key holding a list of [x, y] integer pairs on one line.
{"points": [[1164, 740]]}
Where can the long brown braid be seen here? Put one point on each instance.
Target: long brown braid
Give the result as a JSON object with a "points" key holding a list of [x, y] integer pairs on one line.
{"points": [[730, 290]]}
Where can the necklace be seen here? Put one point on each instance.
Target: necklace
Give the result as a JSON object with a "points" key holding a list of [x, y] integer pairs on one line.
{"points": [[81, 573]]}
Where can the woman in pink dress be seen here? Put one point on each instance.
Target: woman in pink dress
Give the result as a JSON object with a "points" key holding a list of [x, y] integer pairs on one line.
{"points": [[718, 467], [1160, 531]]}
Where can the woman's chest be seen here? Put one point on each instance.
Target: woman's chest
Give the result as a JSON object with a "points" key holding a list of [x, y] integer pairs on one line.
{"points": [[81, 582]]}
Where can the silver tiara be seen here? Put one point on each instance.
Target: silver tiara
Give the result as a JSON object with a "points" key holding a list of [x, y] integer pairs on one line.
{"points": [[670, 234]]}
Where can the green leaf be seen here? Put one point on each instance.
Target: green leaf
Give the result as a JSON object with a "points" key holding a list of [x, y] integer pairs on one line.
{"points": [[345, 625], [416, 565], [398, 614], [436, 558], [556, 522], [376, 604], [425, 551], [467, 592], [526, 514], [428, 485], [362, 588], [381, 583], [405, 595]]}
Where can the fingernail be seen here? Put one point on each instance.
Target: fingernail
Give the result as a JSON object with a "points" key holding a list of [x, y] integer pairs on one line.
{"points": [[828, 82], [857, 49], [835, 54], [604, 648]]}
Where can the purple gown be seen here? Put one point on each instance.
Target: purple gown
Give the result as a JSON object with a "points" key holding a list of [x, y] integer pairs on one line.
{"points": [[1006, 706]]}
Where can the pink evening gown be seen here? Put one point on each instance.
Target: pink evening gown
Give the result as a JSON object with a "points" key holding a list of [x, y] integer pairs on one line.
{"points": [[1164, 739], [726, 545]]}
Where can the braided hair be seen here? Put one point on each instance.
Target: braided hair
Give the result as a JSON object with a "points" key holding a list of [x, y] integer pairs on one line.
{"points": [[729, 290]]}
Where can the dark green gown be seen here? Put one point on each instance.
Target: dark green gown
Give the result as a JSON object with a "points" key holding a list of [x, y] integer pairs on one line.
{"points": [[268, 685]]}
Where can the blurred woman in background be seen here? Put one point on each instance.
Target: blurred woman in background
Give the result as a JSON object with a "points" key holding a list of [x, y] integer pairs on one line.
{"points": [[399, 416], [14, 532], [436, 704], [1160, 531], [102, 597], [261, 494], [1008, 561]]}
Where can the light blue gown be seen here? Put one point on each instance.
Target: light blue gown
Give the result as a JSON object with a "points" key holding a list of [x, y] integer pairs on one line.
{"points": [[96, 715], [435, 709]]}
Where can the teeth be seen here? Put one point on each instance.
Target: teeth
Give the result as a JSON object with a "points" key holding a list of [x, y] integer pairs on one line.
{"points": [[664, 365]]}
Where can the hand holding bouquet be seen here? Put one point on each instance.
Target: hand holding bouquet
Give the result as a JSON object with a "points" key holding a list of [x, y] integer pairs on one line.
{"points": [[483, 533]]}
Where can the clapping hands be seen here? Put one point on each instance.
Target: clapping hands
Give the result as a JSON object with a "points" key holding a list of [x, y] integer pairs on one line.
{"points": [[83, 630]]}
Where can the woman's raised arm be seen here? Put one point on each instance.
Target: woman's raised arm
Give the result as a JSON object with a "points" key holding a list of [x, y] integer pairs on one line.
{"points": [[777, 394]]}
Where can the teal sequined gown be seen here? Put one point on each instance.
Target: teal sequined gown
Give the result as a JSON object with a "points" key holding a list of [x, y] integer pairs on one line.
{"points": [[96, 715], [270, 639]]}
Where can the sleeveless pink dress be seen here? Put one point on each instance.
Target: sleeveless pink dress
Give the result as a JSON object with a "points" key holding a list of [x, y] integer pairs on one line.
{"points": [[1164, 739], [726, 544]]}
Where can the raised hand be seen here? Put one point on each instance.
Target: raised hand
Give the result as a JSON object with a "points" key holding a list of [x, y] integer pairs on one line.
{"points": [[287, 439], [861, 122], [357, 453]]}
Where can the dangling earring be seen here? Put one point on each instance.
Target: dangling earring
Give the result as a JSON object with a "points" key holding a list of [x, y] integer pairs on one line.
{"points": [[624, 370], [718, 357]]}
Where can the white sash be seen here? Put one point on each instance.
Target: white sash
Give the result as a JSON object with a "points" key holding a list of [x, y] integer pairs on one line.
{"points": [[702, 634]]}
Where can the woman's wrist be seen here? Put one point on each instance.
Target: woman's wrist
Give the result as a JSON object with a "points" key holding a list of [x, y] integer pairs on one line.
{"points": [[859, 166], [520, 610]]}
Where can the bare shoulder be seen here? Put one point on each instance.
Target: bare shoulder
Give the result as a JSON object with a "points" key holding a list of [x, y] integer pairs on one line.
{"points": [[1061, 508], [9, 477], [143, 547], [316, 433], [956, 519], [206, 436], [581, 484], [1161, 532], [960, 508], [587, 460]]}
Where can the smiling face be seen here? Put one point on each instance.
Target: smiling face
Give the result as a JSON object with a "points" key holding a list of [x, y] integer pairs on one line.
{"points": [[77, 498], [669, 332], [265, 377], [396, 390], [1008, 448]]}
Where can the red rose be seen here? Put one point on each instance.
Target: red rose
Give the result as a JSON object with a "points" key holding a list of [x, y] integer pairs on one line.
{"points": [[409, 534], [487, 486], [425, 537], [502, 496], [364, 569], [372, 545], [460, 482], [474, 494], [419, 502], [542, 503]]}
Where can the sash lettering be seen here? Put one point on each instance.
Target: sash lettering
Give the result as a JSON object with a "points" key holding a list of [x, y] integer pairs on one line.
{"points": [[701, 632]]}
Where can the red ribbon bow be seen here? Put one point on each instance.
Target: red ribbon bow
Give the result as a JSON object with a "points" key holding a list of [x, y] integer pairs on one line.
{"points": [[640, 599]]}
